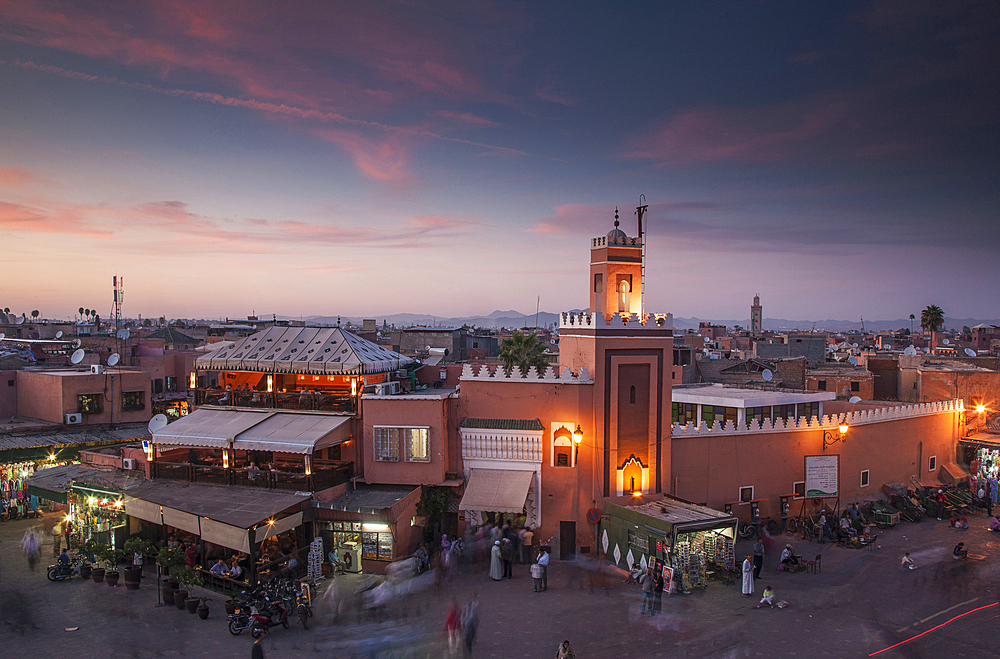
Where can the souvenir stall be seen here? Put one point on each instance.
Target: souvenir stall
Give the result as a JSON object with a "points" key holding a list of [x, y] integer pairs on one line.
{"points": [[688, 542], [96, 514], [15, 502]]}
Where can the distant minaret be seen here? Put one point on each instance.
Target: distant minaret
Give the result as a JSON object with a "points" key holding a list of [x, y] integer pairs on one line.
{"points": [[756, 317]]}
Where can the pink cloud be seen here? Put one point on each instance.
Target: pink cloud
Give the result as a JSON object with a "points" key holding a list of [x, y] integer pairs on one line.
{"points": [[16, 217], [384, 160], [599, 219], [465, 118], [16, 177]]}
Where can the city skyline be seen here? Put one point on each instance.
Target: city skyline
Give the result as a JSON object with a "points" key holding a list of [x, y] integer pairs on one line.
{"points": [[367, 160]]}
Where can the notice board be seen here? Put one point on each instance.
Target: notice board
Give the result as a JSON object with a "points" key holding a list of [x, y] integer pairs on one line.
{"points": [[822, 475]]}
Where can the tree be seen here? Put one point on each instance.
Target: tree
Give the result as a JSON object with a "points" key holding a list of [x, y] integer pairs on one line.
{"points": [[86, 312], [146, 322], [81, 312], [931, 318], [34, 314], [523, 350], [911, 323]]}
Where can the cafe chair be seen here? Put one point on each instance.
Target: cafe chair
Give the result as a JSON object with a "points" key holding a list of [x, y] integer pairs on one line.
{"points": [[815, 565]]}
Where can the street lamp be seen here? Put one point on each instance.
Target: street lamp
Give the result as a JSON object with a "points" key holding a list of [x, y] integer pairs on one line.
{"points": [[830, 437], [578, 435]]}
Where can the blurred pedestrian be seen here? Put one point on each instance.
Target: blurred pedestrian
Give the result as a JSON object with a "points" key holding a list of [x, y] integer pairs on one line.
{"points": [[646, 581], [31, 545], [496, 572], [470, 622], [452, 623], [257, 652], [565, 651], [758, 557], [507, 556], [747, 577]]}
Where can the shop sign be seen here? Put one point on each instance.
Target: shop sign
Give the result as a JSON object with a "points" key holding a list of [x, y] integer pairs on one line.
{"points": [[659, 546], [822, 475]]}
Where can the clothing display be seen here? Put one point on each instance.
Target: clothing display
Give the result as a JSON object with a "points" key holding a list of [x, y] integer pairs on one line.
{"points": [[15, 502]]}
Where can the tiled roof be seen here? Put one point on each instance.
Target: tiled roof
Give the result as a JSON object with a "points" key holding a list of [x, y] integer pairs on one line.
{"points": [[503, 424], [171, 335]]}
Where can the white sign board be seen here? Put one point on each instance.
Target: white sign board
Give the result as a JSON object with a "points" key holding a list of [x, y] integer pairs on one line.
{"points": [[822, 475]]}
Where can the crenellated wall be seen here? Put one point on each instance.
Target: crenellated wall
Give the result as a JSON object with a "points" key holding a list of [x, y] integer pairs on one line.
{"points": [[573, 319], [495, 373]]}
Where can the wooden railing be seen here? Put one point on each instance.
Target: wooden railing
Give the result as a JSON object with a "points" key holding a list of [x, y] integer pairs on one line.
{"points": [[317, 402], [322, 477]]}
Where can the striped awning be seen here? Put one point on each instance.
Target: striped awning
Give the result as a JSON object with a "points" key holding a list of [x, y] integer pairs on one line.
{"points": [[496, 491]]}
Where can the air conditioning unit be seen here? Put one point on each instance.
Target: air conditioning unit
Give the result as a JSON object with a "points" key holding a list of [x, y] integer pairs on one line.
{"points": [[74, 419], [130, 463], [96, 369], [387, 388], [351, 557]]}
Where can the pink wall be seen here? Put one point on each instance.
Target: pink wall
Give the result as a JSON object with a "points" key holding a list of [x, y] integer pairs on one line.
{"points": [[8, 394], [429, 411], [710, 468], [48, 396]]}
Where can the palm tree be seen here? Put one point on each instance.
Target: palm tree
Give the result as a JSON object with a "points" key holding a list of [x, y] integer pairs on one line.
{"points": [[523, 350], [931, 318], [911, 323], [34, 314]]}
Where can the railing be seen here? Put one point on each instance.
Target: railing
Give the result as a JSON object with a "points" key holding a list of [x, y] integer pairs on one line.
{"points": [[321, 478], [317, 402], [501, 445]]}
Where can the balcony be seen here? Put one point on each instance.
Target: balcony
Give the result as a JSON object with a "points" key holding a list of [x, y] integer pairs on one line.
{"points": [[501, 446], [295, 400], [325, 474]]}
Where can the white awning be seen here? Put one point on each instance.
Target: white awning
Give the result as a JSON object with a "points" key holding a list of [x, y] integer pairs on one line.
{"points": [[208, 428], [496, 491], [280, 526], [304, 350], [146, 510], [181, 520], [225, 535], [294, 433]]}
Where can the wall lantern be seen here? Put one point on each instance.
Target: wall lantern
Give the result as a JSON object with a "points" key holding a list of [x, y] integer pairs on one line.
{"points": [[193, 380], [830, 438], [577, 435], [354, 386], [270, 383]]}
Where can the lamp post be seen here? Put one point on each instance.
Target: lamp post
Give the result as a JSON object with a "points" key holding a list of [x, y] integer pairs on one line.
{"points": [[830, 437]]}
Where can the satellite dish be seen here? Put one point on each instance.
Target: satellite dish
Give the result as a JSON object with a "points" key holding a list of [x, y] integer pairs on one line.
{"points": [[113, 359], [767, 375], [853, 361], [910, 350], [77, 343], [2, 336], [59, 334], [888, 346], [855, 345], [854, 399], [19, 321], [123, 334], [946, 342], [77, 356], [707, 339], [968, 351], [157, 423]]}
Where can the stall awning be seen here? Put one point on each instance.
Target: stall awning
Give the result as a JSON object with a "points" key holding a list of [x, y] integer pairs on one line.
{"points": [[294, 433], [496, 490], [181, 520], [54, 483], [208, 428], [225, 535], [145, 510], [265, 530]]}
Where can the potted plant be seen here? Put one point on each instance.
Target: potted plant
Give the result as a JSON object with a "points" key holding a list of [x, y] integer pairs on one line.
{"points": [[203, 607], [168, 558], [230, 602], [97, 552], [133, 573], [111, 558], [186, 577]]}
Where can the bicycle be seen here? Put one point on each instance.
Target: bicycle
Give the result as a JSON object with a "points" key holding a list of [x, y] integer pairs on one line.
{"points": [[753, 529]]}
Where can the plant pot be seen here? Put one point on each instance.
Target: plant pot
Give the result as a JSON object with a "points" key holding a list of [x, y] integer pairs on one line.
{"points": [[133, 575], [111, 577], [230, 607], [191, 604], [203, 611], [97, 574], [168, 592], [85, 571], [179, 598]]}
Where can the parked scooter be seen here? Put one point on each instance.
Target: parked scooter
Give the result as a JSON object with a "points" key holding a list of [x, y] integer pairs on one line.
{"points": [[59, 572], [275, 615]]}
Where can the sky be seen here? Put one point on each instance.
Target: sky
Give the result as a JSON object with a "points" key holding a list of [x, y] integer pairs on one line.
{"points": [[453, 158]]}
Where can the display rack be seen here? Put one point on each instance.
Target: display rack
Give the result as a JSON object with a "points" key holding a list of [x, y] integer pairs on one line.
{"points": [[314, 562]]}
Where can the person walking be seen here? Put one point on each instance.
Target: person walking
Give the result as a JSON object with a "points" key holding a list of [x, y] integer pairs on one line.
{"points": [[470, 621], [507, 556], [647, 583], [526, 544], [543, 560], [496, 571], [748, 577], [452, 622], [758, 558], [658, 585], [257, 651]]}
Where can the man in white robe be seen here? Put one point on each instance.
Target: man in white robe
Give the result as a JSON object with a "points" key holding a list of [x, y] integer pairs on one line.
{"points": [[748, 577]]}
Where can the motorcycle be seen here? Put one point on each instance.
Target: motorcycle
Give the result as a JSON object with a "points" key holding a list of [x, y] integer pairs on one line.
{"points": [[60, 572], [276, 615], [239, 621], [304, 611]]}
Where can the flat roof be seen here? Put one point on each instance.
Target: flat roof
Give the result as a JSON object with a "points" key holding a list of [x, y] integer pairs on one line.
{"points": [[676, 512], [281, 431], [370, 499], [428, 393], [722, 396]]}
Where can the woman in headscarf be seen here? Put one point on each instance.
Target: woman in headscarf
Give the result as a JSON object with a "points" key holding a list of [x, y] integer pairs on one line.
{"points": [[496, 570]]}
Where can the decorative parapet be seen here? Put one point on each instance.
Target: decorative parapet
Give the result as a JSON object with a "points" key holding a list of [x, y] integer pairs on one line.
{"points": [[482, 444], [495, 373], [860, 417], [576, 320], [602, 241]]}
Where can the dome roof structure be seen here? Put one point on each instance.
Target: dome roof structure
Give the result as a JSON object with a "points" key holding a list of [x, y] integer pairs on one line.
{"points": [[616, 236]]}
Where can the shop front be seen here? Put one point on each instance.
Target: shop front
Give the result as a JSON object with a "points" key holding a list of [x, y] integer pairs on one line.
{"points": [[96, 514], [689, 543]]}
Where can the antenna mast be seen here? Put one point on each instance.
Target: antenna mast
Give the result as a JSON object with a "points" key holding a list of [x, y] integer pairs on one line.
{"points": [[640, 210], [538, 304]]}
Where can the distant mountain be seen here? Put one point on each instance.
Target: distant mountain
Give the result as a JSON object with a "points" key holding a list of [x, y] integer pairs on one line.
{"points": [[508, 319], [829, 325]]}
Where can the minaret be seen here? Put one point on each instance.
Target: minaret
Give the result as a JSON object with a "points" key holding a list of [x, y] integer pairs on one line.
{"points": [[616, 273], [756, 317]]}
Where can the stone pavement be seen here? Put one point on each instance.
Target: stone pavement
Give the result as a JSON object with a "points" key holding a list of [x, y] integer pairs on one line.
{"points": [[859, 603]]}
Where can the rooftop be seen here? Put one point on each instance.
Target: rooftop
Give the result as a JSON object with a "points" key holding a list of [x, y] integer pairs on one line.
{"points": [[729, 396], [371, 499], [231, 504], [503, 424], [170, 335], [953, 367]]}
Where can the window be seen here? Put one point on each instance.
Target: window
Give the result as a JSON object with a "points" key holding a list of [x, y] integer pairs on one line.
{"points": [[932, 463], [631, 395], [417, 444], [133, 401], [864, 478], [88, 403], [171, 383], [821, 385], [799, 488], [475, 344], [638, 541], [855, 386], [598, 283], [562, 449], [10, 383], [746, 494], [157, 386], [387, 444]]}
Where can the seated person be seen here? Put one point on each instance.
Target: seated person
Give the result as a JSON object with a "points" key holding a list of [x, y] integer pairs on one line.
{"points": [[235, 572], [634, 574], [788, 558], [63, 558], [995, 523], [421, 555], [960, 551], [962, 523], [220, 569], [846, 527]]}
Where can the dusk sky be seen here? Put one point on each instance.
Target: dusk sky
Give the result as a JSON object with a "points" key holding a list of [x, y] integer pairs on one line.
{"points": [[298, 158]]}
